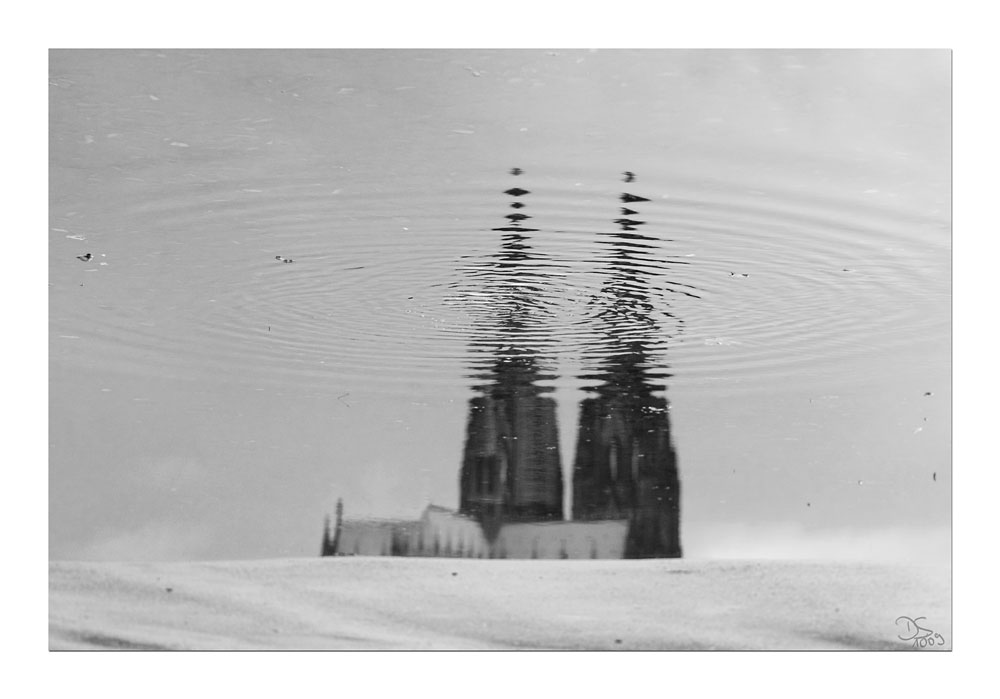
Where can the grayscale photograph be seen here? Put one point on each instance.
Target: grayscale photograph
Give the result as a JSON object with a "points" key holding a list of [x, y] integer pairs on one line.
{"points": [[500, 349]]}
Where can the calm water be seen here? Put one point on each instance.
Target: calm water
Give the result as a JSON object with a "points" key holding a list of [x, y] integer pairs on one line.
{"points": [[766, 296]]}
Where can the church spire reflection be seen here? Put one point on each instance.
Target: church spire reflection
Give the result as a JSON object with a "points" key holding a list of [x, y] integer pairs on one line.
{"points": [[625, 465], [511, 466]]}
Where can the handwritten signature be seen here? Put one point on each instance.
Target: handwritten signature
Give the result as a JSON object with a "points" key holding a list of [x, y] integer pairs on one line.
{"points": [[921, 636]]}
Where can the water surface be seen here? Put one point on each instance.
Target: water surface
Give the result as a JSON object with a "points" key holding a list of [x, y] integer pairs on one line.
{"points": [[777, 307]]}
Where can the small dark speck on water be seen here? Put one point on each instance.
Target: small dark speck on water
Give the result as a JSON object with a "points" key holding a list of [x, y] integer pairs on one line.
{"points": [[454, 574], [516, 171], [629, 176], [169, 589], [928, 393], [934, 475], [808, 504], [618, 641]]}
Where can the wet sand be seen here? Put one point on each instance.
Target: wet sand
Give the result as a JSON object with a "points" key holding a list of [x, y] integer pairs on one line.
{"points": [[458, 604]]}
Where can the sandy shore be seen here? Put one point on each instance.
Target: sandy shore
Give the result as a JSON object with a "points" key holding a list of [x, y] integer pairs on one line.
{"points": [[435, 603]]}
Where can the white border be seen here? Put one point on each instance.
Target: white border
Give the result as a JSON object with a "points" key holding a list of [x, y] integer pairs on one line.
{"points": [[504, 24]]}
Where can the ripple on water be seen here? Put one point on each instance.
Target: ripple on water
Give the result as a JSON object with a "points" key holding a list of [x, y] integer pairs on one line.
{"points": [[411, 286]]}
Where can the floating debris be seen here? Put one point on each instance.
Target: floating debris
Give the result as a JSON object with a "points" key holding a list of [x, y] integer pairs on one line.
{"points": [[928, 393], [934, 475], [279, 258], [734, 274], [85, 258], [629, 176], [516, 171]]}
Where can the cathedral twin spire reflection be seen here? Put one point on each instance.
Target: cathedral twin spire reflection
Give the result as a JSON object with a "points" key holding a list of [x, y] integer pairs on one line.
{"points": [[625, 498], [625, 467]]}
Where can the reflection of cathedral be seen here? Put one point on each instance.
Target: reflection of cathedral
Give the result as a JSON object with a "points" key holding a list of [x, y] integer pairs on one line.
{"points": [[511, 469], [625, 464], [625, 491]]}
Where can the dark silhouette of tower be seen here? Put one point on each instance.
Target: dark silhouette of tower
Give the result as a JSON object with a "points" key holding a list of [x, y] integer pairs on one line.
{"points": [[625, 465], [511, 466], [330, 545]]}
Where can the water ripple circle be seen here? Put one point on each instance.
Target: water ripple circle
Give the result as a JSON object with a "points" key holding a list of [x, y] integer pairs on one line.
{"points": [[750, 286]]}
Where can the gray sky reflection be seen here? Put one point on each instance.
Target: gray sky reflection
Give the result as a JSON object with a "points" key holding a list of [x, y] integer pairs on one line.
{"points": [[207, 401]]}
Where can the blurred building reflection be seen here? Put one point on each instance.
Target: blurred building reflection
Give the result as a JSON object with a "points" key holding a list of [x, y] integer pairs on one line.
{"points": [[625, 489], [625, 465], [511, 466]]}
